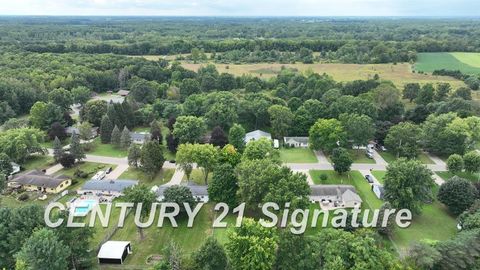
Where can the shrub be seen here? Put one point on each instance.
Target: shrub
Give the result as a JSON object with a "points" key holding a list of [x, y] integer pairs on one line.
{"points": [[323, 177], [23, 197], [455, 163], [457, 194]]}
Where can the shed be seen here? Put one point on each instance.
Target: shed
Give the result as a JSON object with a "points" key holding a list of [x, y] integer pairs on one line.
{"points": [[123, 93], [114, 252]]}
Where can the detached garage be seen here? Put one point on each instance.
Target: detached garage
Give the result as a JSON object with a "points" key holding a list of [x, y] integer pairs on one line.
{"points": [[114, 252]]}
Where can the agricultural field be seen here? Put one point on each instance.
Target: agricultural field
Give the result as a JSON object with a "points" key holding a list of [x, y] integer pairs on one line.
{"points": [[399, 74], [465, 62]]}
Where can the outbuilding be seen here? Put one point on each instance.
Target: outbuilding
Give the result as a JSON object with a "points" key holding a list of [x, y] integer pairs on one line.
{"points": [[114, 252]]}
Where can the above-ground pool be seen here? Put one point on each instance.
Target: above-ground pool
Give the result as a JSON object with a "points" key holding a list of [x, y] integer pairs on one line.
{"points": [[82, 207]]}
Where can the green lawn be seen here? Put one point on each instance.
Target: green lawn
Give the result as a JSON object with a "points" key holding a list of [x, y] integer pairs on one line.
{"points": [[389, 157], [107, 150], [357, 155], [162, 177], [38, 162], [379, 175], [466, 63], [474, 177], [89, 167], [197, 177], [297, 155]]}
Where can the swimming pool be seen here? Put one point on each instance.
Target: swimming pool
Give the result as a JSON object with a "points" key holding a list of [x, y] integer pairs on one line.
{"points": [[82, 207]]}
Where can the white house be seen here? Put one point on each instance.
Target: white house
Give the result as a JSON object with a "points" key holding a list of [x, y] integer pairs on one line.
{"points": [[256, 135], [378, 190], [335, 196], [114, 252], [296, 141]]}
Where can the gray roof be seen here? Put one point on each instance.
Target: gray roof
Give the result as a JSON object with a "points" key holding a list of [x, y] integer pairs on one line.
{"points": [[344, 192], [39, 179], [123, 92], [139, 136], [197, 190], [72, 129], [256, 135], [303, 140], [108, 185]]}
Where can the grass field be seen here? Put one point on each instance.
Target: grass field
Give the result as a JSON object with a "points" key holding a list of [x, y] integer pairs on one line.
{"points": [[297, 155], [162, 177], [465, 62], [106, 150], [38, 162], [389, 157], [400, 74], [197, 177]]}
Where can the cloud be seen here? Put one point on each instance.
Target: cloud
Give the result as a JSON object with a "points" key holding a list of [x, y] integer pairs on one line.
{"points": [[243, 7]]}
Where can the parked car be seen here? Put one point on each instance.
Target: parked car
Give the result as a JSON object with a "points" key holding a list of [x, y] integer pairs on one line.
{"points": [[369, 155], [109, 170], [369, 178]]}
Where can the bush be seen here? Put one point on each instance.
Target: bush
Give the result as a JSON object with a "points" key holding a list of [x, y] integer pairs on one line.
{"points": [[323, 177], [67, 160], [23, 197], [457, 194], [455, 163], [472, 162]]}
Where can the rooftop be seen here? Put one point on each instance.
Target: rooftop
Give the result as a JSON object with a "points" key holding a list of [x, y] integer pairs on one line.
{"points": [[39, 179], [108, 185], [112, 249]]}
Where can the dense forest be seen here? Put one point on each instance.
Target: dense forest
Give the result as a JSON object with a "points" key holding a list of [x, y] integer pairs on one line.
{"points": [[336, 39]]}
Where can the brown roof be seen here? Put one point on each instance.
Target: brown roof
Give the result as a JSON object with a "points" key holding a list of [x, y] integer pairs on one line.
{"points": [[39, 179]]}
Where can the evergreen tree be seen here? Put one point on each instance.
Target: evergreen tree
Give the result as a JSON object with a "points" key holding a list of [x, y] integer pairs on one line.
{"points": [[218, 137], [172, 143], [134, 153], [125, 138], [390, 225], [152, 157], [116, 136], [57, 149], [156, 132], [76, 149], [106, 128], [236, 137]]}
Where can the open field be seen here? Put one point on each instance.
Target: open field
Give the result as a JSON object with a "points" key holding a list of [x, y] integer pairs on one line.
{"points": [[297, 155], [400, 74], [465, 62]]}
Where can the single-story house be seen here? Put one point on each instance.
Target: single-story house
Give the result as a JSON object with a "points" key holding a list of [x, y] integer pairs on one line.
{"points": [[379, 191], [123, 93], [35, 180], [336, 196], [139, 137], [113, 188], [114, 252], [296, 141], [199, 192], [70, 130], [256, 135]]}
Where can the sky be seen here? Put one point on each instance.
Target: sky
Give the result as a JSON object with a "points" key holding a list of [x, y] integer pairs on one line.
{"points": [[456, 8]]}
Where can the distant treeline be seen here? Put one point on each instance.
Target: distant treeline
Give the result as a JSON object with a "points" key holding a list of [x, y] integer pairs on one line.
{"points": [[470, 80]]}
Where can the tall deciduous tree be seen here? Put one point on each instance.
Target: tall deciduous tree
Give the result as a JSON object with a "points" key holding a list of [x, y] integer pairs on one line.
{"points": [[189, 129], [341, 159], [134, 154], [403, 140], [281, 118], [185, 159], [359, 128], [261, 149], [223, 187], [408, 184], [19, 143], [152, 158], [211, 256], [81, 94], [85, 130], [179, 195], [236, 137], [141, 194], [156, 131], [57, 149], [326, 134], [218, 137]]}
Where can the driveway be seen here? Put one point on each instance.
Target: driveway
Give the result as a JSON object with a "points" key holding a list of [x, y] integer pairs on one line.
{"points": [[176, 178], [117, 172], [321, 157], [368, 172]]}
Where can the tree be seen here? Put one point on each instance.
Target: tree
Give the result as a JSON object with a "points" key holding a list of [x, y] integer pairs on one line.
{"points": [[19, 143], [141, 194], [281, 118], [185, 159], [411, 90], [443, 89], [223, 187], [156, 131], [57, 130], [251, 246], [205, 155], [326, 134], [57, 149], [76, 149], [261, 149], [463, 93], [459, 252], [85, 130], [151, 157], [43, 115], [457, 194], [5, 164], [472, 162], [236, 137], [189, 87], [390, 226], [116, 137], [67, 160], [408, 184], [426, 94], [210, 256], [218, 137], [341, 160], [125, 138], [106, 129], [94, 111], [455, 163], [303, 256], [423, 256], [81, 94], [172, 143], [61, 97], [6, 112], [228, 154], [189, 129], [134, 155], [43, 250], [179, 195], [403, 140], [359, 128], [143, 91]]}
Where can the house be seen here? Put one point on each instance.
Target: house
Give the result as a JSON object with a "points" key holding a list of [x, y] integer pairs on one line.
{"points": [[335, 196], [114, 252], [256, 135], [38, 181], [139, 137], [123, 93], [109, 188], [70, 130], [199, 192], [296, 141], [379, 191]]}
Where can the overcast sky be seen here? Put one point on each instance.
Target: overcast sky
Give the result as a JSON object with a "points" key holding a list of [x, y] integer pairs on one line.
{"points": [[243, 7]]}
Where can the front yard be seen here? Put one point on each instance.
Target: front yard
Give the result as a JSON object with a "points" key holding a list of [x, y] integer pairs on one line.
{"points": [[107, 150], [358, 156], [297, 155], [389, 157], [474, 177], [162, 177]]}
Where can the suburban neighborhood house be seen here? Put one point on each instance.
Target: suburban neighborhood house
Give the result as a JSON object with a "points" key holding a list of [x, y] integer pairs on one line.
{"points": [[199, 192], [106, 189], [335, 196], [296, 141], [139, 137], [123, 93], [38, 181], [256, 135], [114, 252], [72, 129]]}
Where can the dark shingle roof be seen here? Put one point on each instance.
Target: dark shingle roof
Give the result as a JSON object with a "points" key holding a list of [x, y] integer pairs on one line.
{"points": [[39, 179], [109, 185]]}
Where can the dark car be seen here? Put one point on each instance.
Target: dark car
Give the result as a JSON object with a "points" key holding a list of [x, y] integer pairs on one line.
{"points": [[109, 170], [369, 178]]}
